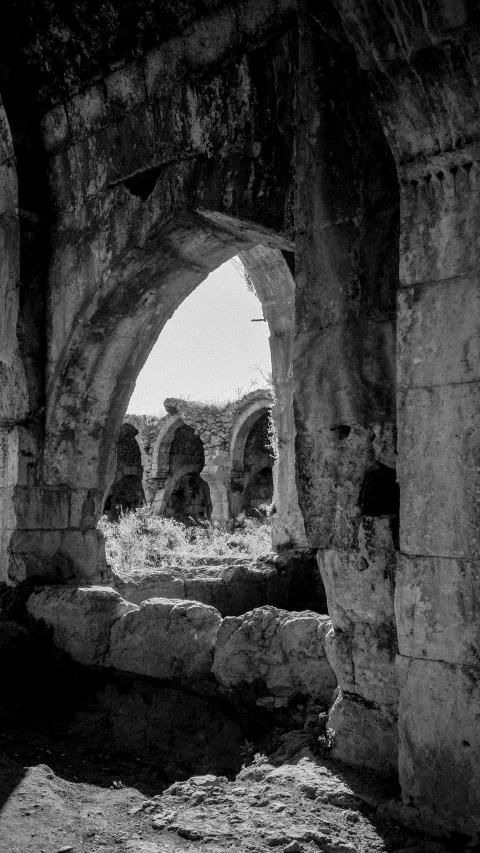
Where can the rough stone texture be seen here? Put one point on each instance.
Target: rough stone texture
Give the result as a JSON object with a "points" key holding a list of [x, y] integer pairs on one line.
{"points": [[367, 735], [362, 645], [166, 638], [141, 148], [229, 464], [130, 167], [436, 604], [126, 491], [81, 618], [346, 263], [223, 431], [282, 654], [440, 422], [439, 730], [290, 580], [273, 281]]}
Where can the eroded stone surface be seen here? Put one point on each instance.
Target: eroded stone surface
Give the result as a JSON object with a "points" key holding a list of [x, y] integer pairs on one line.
{"points": [[180, 138], [281, 653], [81, 618], [168, 639], [362, 644], [290, 580], [367, 734], [439, 726], [436, 604]]}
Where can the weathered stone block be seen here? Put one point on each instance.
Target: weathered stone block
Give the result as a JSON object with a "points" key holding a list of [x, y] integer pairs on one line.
{"points": [[81, 618], [282, 653], [330, 500], [365, 736], [8, 188], [438, 332], [85, 507], [154, 585], [163, 68], [439, 728], [54, 129], [42, 508], [437, 603], [438, 234], [6, 144], [32, 556], [168, 639], [78, 174], [125, 89], [9, 253], [128, 145], [58, 555], [439, 470], [362, 644], [253, 18], [363, 659], [205, 45], [347, 375], [15, 445], [87, 111]]}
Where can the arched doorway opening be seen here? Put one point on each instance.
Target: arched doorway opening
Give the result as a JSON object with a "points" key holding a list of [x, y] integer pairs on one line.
{"points": [[258, 462], [179, 459], [252, 460], [224, 427], [126, 492], [189, 501], [259, 493]]}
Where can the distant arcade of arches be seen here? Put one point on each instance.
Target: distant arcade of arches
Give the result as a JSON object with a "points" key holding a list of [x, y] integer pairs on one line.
{"points": [[181, 479]]}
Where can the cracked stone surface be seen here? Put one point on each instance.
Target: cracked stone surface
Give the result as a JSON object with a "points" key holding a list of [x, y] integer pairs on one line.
{"points": [[281, 653], [292, 802]]}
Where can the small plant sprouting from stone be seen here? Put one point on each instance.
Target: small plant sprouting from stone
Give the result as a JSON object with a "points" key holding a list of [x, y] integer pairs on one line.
{"points": [[249, 756], [272, 436], [326, 741], [247, 752]]}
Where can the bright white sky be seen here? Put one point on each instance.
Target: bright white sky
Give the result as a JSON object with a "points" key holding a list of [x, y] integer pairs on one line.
{"points": [[210, 349]]}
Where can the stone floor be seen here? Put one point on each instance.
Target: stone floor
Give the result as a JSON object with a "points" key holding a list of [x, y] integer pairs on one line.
{"points": [[292, 802]]}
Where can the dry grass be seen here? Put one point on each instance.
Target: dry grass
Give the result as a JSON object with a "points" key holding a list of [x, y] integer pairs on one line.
{"points": [[141, 541]]}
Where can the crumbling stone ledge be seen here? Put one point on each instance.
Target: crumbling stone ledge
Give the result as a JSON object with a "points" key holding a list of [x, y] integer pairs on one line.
{"points": [[187, 643]]}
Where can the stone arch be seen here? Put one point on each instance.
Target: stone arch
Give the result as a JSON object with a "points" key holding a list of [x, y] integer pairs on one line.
{"points": [[155, 184], [414, 68], [146, 462], [161, 449], [93, 382], [271, 273], [126, 491], [241, 431], [173, 483], [17, 443], [242, 428], [258, 491], [165, 476]]}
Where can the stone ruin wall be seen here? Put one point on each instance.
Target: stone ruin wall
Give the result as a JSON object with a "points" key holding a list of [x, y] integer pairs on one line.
{"points": [[216, 427], [333, 145]]}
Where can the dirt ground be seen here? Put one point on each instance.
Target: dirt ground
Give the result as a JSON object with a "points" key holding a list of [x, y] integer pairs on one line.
{"points": [[56, 796]]}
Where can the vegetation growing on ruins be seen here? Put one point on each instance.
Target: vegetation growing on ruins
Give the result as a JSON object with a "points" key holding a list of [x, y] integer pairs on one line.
{"points": [[141, 540]]}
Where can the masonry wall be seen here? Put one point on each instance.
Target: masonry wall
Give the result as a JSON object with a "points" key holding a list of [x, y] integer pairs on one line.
{"points": [[163, 167], [346, 271]]}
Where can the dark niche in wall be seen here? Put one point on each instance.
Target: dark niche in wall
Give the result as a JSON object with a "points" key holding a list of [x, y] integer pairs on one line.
{"points": [[190, 500], [380, 493]]}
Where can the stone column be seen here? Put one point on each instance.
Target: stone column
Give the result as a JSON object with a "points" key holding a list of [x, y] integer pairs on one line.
{"points": [[275, 286], [21, 354], [217, 474], [437, 600], [344, 355]]}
